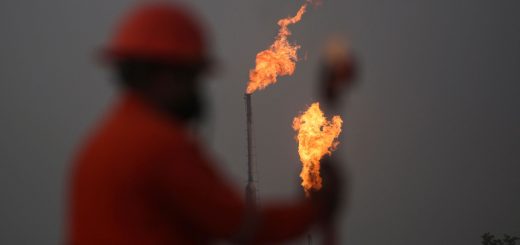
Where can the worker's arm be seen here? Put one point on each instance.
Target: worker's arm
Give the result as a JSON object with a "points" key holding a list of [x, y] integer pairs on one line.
{"points": [[283, 221], [212, 206], [197, 193]]}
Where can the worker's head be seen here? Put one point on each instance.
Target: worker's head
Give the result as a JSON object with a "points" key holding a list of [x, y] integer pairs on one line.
{"points": [[338, 71], [159, 50]]}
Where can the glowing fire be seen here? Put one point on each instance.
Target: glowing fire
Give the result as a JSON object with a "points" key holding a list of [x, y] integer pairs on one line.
{"points": [[278, 60], [316, 137]]}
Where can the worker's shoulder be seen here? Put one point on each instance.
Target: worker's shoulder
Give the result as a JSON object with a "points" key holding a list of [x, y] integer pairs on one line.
{"points": [[145, 128], [118, 138], [133, 128]]}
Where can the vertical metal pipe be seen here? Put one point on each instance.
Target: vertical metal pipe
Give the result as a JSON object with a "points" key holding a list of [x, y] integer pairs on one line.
{"points": [[250, 188]]}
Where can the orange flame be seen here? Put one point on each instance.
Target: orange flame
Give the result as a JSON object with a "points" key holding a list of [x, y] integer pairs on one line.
{"points": [[316, 137], [278, 60]]}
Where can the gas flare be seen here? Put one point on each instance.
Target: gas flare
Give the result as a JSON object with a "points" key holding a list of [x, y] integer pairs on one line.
{"points": [[316, 137], [279, 59]]}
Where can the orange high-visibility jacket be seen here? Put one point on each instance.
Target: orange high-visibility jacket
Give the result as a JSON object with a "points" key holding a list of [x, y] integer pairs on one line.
{"points": [[142, 179]]}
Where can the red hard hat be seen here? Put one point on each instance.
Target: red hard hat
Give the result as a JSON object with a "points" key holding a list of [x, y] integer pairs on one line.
{"points": [[159, 31]]}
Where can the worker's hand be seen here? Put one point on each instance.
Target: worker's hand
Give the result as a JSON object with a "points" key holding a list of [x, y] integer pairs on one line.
{"points": [[330, 196]]}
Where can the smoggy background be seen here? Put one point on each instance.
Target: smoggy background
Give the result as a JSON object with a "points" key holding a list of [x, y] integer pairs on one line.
{"points": [[431, 139]]}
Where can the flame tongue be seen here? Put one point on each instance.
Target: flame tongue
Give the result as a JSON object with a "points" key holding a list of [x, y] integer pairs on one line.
{"points": [[316, 137], [278, 60]]}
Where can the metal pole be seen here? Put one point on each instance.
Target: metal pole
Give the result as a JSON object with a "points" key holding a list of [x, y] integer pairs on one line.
{"points": [[251, 187]]}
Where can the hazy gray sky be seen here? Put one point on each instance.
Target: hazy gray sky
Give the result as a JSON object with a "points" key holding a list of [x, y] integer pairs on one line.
{"points": [[432, 136]]}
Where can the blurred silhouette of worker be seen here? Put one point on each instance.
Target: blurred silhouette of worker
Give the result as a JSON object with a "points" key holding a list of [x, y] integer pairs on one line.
{"points": [[337, 76], [141, 177]]}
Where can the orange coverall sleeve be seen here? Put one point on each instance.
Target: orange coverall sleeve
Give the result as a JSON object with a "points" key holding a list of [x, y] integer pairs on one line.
{"points": [[280, 222], [209, 204]]}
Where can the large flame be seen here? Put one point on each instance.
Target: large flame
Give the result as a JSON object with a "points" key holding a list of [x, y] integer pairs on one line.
{"points": [[316, 137], [279, 59]]}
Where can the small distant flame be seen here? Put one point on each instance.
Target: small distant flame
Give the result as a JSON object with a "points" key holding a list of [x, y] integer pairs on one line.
{"points": [[316, 137], [278, 60]]}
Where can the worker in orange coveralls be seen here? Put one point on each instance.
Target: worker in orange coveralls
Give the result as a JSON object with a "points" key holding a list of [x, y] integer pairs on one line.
{"points": [[142, 177]]}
